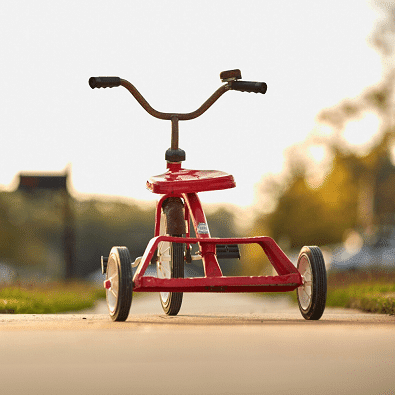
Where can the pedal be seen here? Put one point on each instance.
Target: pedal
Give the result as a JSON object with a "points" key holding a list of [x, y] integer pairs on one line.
{"points": [[227, 251]]}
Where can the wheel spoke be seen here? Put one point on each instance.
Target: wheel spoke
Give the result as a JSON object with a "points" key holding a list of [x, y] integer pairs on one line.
{"points": [[308, 295], [114, 283], [165, 270], [113, 277], [163, 252]]}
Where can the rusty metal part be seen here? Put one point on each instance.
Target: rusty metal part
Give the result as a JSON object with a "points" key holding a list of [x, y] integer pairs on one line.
{"points": [[174, 133], [169, 116], [230, 75]]}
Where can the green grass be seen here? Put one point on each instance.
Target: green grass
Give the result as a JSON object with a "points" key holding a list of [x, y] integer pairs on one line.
{"points": [[375, 298], [48, 299], [367, 291]]}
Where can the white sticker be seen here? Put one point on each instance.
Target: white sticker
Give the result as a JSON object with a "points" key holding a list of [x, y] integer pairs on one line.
{"points": [[202, 229]]}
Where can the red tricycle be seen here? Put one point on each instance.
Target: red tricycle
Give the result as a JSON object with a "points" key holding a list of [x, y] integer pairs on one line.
{"points": [[178, 207]]}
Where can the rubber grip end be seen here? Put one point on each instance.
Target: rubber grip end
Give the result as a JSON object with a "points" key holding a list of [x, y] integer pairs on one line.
{"points": [[104, 82]]}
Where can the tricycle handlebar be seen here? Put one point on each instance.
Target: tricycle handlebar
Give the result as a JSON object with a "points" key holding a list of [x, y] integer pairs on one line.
{"points": [[243, 86]]}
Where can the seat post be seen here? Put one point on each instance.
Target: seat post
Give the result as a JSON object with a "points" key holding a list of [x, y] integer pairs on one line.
{"points": [[174, 133], [174, 153]]}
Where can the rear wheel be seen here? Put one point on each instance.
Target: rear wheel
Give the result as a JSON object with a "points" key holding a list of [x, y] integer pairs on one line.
{"points": [[119, 288], [312, 293], [170, 262]]}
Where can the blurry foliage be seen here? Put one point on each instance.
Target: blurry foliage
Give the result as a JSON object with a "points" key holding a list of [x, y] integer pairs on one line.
{"points": [[32, 231], [100, 225], [305, 215], [358, 191], [26, 225], [384, 33]]}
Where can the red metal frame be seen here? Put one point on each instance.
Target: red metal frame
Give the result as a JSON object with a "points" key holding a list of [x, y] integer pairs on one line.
{"points": [[177, 180], [288, 278]]}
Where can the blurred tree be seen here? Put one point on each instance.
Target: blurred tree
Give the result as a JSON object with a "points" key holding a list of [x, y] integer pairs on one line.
{"points": [[8, 231], [102, 224], [376, 175], [31, 231], [359, 190], [306, 215], [357, 193]]}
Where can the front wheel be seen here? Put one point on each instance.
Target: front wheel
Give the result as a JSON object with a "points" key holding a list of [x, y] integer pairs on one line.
{"points": [[312, 293], [119, 290]]}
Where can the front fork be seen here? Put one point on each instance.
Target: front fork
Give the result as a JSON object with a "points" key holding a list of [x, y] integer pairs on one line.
{"points": [[194, 212]]}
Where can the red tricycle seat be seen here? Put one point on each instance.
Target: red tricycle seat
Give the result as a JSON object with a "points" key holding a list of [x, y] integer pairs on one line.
{"points": [[188, 181]]}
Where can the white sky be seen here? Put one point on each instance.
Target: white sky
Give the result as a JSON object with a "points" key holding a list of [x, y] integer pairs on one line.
{"points": [[312, 54]]}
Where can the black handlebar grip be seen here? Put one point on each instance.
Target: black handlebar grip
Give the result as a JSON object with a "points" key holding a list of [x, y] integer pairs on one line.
{"points": [[248, 86], [104, 82]]}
